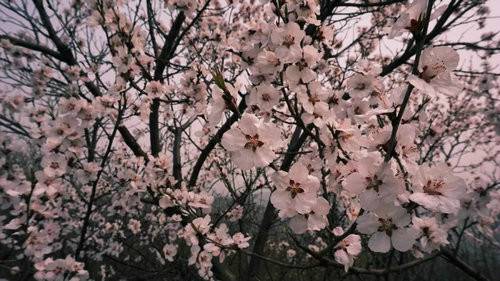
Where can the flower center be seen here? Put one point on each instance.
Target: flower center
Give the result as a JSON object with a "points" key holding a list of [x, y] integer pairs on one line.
{"points": [[360, 86], [345, 136], [294, 188], [302, 64], [373, 183], [272, 60], [386, 226], [288, 40], [429, 72], [426, 231], [313, 99], [433, 187], [253, 142]]}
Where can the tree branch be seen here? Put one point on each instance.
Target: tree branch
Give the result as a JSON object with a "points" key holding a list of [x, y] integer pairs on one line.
{"points": [[161, 62], [213, 142], [270, 215], [467, 269]]}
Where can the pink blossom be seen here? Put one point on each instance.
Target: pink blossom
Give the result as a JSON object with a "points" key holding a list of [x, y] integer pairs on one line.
{"points": [[252, 142], [437, 189], [347, 250]]}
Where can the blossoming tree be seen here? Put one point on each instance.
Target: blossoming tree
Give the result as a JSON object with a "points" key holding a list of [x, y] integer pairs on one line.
{"points": [[245, 140]]}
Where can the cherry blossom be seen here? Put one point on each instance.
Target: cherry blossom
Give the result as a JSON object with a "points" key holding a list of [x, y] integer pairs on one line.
{"points": [[438, 189], [361, 86], [312, 98], [252, 142], [219, 105], [264, 96], [314, 220], [55, 165], [375, 185], [302, 70], [411, 18], [435, 71], [296, 191], [287, 39], [169, 252], [347, 250], [387, 227], [134, 226], [222, 140], [240, 240], [432, 234], [50, 269], [236, 213]]}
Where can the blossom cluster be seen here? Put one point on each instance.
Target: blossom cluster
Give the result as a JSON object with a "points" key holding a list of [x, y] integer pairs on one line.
{"points": [[50, 269], [286, 64], [193, 115]]}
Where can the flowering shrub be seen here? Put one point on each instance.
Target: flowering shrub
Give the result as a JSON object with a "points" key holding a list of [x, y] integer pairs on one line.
{"points": [[212, 139]]}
